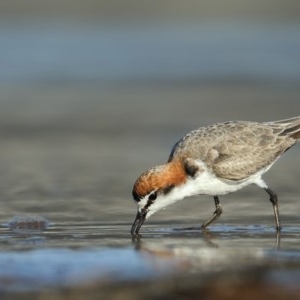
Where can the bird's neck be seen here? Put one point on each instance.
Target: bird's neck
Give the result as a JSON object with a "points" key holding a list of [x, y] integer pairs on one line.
{"points": [[174, 173]]}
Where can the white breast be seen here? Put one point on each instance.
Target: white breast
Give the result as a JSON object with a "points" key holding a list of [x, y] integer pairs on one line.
{"points": [[206, 183]]}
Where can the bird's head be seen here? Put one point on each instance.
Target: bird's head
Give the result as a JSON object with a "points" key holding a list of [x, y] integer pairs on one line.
{"points": [[157, 188]]}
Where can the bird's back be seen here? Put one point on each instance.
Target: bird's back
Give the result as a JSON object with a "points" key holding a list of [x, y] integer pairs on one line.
{"points": [[237, 149]]}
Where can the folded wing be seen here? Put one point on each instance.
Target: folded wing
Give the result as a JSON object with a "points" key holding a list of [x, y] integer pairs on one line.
{"points": [[234, 150]]}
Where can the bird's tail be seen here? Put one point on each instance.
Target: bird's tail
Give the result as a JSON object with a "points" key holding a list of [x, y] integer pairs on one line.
{"points": [[291, 127]]}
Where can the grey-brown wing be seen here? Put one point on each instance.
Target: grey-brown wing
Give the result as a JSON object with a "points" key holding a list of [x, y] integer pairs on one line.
{"points": [[234, 150], [197, 143]]}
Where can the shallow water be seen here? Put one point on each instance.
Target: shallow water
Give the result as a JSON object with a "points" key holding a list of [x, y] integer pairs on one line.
{"points": [[73, 145], [69, 173], [61, 52], [78, 254]]}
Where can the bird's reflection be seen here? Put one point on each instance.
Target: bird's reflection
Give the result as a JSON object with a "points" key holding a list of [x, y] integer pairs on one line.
{"points": [[209, 237]]}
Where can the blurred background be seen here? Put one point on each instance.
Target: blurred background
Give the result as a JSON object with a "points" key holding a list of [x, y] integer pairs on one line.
{"points": [[94, 92]]}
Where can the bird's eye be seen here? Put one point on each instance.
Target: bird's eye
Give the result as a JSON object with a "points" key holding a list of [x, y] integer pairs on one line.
{"points": [[135, 196], [153, 196]]}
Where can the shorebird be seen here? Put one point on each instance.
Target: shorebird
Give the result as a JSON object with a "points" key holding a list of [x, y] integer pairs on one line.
{"points": [[215, 160]]}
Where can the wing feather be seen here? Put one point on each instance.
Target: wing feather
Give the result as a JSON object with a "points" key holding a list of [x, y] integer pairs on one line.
{"points": [[234, 150]]}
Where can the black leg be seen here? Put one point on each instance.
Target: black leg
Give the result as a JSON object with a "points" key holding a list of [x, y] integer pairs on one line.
{"points": [[216, 215], [274, 201]]}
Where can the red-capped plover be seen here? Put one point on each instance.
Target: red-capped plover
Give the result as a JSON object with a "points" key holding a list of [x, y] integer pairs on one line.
{"points": [[215, 160]]}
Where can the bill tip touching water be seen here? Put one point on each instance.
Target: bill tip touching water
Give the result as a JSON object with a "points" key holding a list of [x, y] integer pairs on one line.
{"points": [[215, 160]]}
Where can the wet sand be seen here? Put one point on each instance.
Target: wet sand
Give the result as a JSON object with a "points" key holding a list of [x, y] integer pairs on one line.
{"points": [[73, 153], [70, 154]]}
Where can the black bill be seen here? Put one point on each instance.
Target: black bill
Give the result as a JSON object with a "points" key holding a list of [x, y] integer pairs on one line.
{"points": [[139, 221]]}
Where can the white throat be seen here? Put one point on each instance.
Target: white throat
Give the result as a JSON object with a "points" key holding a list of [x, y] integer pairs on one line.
{"points": [[205, 183]]}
